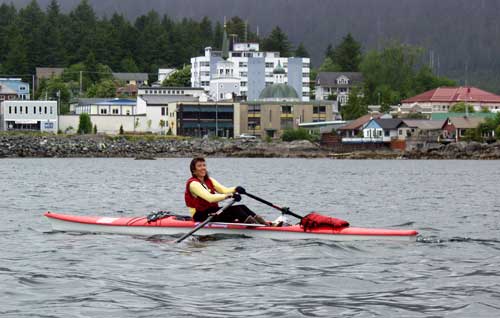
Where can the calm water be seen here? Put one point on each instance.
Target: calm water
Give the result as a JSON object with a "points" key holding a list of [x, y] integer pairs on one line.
{"points": [[453, 270]]}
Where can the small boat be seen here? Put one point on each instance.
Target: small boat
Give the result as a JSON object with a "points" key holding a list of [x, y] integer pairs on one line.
{"points": [[175, 225]]}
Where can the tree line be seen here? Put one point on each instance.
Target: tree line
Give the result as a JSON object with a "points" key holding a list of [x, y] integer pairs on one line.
{"points": [[33, 37]]}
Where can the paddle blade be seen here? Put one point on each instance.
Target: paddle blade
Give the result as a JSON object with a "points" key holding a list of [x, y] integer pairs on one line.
{"points": [[314, 220]]}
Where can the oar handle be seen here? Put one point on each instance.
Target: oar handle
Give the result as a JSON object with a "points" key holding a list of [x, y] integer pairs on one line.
{"points": [[283, 210], [202, 224]]}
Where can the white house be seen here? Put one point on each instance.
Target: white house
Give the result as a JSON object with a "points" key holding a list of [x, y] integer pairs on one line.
{"points": [[30, 115], [381, 129], [164, 73]]}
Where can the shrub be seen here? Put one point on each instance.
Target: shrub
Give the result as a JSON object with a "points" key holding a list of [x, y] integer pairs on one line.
{"points": [[121, 130], [296, 134], [95, 129], [85, 125]]}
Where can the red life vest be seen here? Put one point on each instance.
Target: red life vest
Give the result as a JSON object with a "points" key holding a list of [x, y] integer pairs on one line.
{"points": [[196, 202]]}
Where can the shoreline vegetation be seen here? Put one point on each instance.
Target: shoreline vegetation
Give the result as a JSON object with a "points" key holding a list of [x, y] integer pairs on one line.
{"points": [[37, 145]]}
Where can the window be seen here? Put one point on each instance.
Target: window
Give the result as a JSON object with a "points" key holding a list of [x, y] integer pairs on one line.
{"points": [[22, 88], [243, 84], [386, 133], [235, 54], [319, 109], [286, 109], [26, 109], [286, 123], [163, 112], [243, 64], [254, 108], [270, 64], [115, 111], [243, 74], [51, 110], [34, 109], [305, 65], [128, 112], [39, 109], [305, 74], [104, 111], [10, 109], [204, 63], [15, 110], [21, 110], [45, 109]]}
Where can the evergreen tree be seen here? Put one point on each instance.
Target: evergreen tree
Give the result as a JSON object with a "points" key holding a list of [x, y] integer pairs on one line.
{"points": [[329, 51], [218, 34], [347, 54], [85, 124], [8, 15], [128, 65], [277, 41], [181, 78], [16, 62], [31, 18], [53, 50], [301, 51], [355, 108]]}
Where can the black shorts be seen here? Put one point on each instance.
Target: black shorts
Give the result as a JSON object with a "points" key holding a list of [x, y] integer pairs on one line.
{"points": [[233, 214]]}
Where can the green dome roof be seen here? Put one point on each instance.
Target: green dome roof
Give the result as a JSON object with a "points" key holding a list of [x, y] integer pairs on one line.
{"points": [[279, 92]]}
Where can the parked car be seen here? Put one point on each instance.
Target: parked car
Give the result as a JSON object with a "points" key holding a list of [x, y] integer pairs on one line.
{"points": [[246, 136]]}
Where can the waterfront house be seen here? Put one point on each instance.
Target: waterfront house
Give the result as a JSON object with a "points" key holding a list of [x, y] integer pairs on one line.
{"points": [[384, 129], [456, 127], [429, 130], [355, 127]]}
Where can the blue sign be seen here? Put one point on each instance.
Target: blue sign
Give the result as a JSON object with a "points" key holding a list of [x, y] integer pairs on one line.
{"points": [[48, 125]]}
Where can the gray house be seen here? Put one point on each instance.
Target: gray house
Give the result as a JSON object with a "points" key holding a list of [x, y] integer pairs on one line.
{"points": [[337, 85]]}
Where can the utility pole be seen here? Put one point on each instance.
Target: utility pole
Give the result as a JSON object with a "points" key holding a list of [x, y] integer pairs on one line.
{"points": [[33, 87], [81, 83]]}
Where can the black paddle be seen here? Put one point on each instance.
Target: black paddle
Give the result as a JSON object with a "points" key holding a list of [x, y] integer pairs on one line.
{"points": [[282, 209], [202, 224]]}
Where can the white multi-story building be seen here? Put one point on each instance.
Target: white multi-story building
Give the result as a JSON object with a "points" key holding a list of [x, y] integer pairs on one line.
{"points": [[252, 68], [30, 115]]}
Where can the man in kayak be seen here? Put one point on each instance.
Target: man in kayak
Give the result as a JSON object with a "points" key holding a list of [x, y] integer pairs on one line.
{"points": [[203, 194]]}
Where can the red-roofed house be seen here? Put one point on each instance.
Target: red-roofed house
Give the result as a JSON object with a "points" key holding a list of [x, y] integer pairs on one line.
{"points": [[441, 99]]}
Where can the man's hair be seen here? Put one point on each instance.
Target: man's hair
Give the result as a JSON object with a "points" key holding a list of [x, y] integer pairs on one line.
{"points": [[192, 165]]}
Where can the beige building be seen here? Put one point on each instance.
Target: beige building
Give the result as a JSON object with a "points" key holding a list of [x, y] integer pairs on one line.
{"points": [[267, 118]]}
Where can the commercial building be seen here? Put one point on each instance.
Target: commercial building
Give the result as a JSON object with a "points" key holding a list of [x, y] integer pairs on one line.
{"points": [[245, 71], [279, 107], [30, 115]]}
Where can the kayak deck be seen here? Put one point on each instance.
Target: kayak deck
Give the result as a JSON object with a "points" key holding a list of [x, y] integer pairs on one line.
{"points": [[172, 226]]}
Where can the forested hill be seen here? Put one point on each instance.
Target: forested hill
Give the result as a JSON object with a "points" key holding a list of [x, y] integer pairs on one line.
{"points": [[462, 36]]}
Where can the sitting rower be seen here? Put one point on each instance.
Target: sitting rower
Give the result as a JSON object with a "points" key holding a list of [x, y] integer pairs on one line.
{"points": [[203, 193]]}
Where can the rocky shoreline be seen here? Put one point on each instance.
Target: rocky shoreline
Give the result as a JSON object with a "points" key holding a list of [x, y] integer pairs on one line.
{"points": [[150, 147]]}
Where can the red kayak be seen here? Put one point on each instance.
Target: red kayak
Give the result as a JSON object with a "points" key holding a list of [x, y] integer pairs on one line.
{"points": [[175, 225]]}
